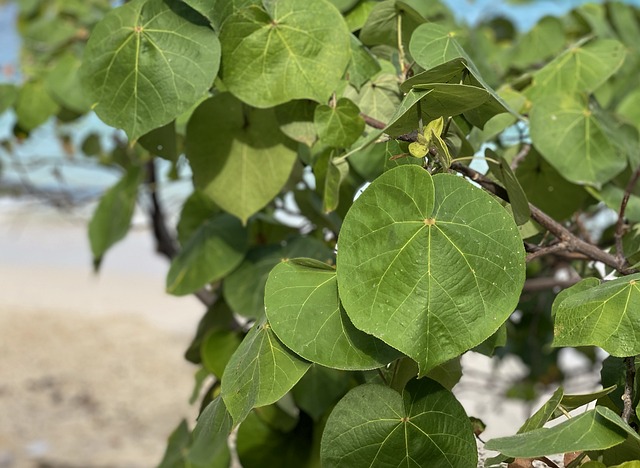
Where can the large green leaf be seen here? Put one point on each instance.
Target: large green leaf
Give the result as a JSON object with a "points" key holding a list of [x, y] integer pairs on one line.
{"points": [[547, 189], [378, 98], [339, 125], [604, 315], [597, 429], [292, 50], [260, 372], [430, 265], [209, 446], [216, 248], [363, 64], [147, 62], [581, 68], [63, 84], [112, 217], [239, 156], [542, 41], [576, 139], [376, 426], [303, 308], [244, 287]]}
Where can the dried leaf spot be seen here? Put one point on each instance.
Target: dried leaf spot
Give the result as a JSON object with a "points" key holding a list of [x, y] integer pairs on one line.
{"points": [[632, 282], [138, 29], [405, 419], [430, 221]]}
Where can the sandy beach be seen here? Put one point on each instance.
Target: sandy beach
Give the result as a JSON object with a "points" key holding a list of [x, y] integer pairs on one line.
{"points": [[91, 366]]}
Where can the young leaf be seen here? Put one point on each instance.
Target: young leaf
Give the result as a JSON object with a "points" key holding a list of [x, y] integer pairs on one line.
{"points": [[112, 218], [290, 51], [216, 248], [245, 162], [374, 425], [147, 62], [302, 305], [338, 126], [597, 429], [260, 372], [430, 265], [603, 315]]}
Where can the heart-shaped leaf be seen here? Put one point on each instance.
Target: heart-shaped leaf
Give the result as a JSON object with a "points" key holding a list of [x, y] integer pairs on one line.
{"points": [[260, 372], [216, 248], [604, 315], [430, 265], [304, 311], [147, 62], [580, 68], [338, 126], [576, 139], [245, 162], [374, 425], [292, 50], [597, 429]]}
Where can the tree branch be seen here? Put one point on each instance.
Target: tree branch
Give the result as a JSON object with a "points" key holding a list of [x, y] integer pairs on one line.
{"points": [[627, 396], [620, 223]]}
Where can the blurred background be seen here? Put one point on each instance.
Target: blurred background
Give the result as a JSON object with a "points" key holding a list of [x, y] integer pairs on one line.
{"points": [[78, 385]]}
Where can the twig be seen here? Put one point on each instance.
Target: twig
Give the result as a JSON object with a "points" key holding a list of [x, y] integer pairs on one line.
{"points": [[620, 224], [543, 284], [520, 156], [372, 122], [549, 463], [627, 396], [541, 251]]}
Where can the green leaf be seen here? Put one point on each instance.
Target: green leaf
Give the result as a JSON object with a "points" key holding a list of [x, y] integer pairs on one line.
{"points": [[431, 265], [34, 105], [304, 311], [340, 125], [63, 84], [112, 217], [433, 44], [337, 172], [541, 42], [374, 425], [604, 315], [320, 389], [581, 68], [260, 372], [162, 141], [270, 437], [290, 51], [517, 197], [218, 11], [147, 62], [196, 209], [378, 98], [209, 446], [8, 95], [217, 348], [296, 120], [177, 445], [544, 414], [363, 64], [244, 287], [576, 139], [547, 189], [597, 429], [245, 163], [215, 249], [571, 402]]}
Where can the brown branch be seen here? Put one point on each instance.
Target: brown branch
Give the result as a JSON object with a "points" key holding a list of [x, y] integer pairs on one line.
{"points": [[543, 284], [620, 224], [541, 251], [627, 396], [165, 242], [520, 156]]}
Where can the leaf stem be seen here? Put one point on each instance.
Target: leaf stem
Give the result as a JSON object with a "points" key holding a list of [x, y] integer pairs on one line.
{"points": [[468, 158], [401, 56]]}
